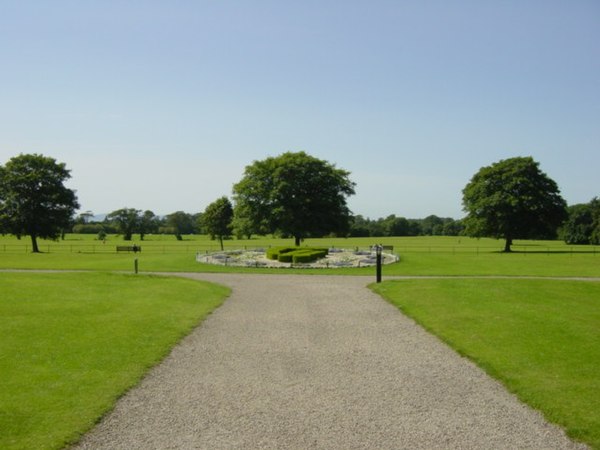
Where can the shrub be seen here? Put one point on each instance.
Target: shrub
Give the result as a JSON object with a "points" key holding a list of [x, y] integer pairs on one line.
{"points": [[309, 255], [286, 257], [88, 228], [274, 252], [304, 257], [93, 228], [296, 254]]}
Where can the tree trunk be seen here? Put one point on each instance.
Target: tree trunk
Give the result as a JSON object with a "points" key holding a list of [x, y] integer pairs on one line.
{"points": [[297, 240], [221, 241], [507, 245], [34, 244]]}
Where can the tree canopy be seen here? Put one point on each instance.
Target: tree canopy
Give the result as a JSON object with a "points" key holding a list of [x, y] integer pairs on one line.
{"points": [[583, 224], [180, 223], [217, 218], [513, 199], [147, 223], [127, 221], [294, 194], [33, 198]]}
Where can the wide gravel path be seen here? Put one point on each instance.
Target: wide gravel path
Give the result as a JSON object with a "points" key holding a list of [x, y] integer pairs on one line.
{"points": [[301, 362]]}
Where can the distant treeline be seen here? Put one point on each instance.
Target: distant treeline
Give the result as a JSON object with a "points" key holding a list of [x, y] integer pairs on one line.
{"points": [[184, 223], [581, 227], [583, 224], [400, 226], [127, 221]]}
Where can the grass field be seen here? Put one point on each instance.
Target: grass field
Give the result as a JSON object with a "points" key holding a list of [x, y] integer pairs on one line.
{"points": [[418, 256], [72, 343], [164, 244], [541, 338]]}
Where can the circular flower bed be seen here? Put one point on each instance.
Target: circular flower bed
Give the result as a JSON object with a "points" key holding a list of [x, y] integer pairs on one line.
{"points": [[335, 258]]}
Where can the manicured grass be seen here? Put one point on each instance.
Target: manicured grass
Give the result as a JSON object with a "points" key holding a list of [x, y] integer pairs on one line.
{"points": [[541, 338], [164, 244], [514, 264], [418, 256], [63, 330], [72, 343]]}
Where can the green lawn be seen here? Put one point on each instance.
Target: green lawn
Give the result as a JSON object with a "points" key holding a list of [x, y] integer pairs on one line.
{"points": [[72, 343], [418, 256], [541, 338], [85, 243]]}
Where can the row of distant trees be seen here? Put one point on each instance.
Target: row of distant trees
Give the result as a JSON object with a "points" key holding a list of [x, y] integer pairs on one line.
{"points": [[299, 196], [401, 226], [216, 220], [130, 221], [581, 227]]}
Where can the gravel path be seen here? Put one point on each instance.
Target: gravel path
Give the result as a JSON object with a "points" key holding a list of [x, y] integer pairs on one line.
{"points": [[301, 362]]}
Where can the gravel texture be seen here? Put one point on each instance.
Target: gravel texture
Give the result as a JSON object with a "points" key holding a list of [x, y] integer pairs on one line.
{"points": [[301, 362]]}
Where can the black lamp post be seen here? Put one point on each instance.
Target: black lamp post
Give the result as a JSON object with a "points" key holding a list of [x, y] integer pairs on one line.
{"points": [[378, 248]]}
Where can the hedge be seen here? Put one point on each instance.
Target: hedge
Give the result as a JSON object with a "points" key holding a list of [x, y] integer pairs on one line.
{"points": [[296, 254], [274, 252], [286, 257], [309, 255]]}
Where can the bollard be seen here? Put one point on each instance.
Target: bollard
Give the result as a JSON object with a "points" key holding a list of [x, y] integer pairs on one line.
{"points": [[378, 249], [135, 265]]}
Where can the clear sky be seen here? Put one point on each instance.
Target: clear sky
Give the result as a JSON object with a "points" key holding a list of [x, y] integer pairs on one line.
{"points": [[161, 104]]}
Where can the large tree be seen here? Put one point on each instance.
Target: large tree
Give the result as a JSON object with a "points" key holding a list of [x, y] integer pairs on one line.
{"points": [[242, 225], [127, 221], [180, 223], [33, 198], [294, 194], [148, 223], [217, 218], [513, 199]]}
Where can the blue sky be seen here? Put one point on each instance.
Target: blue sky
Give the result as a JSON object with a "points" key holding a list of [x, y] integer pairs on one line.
{"points": [[160, 105]]}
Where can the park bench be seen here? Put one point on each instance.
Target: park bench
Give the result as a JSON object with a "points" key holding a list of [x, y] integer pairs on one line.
{"points": [[389, 248], [129, 248]]}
